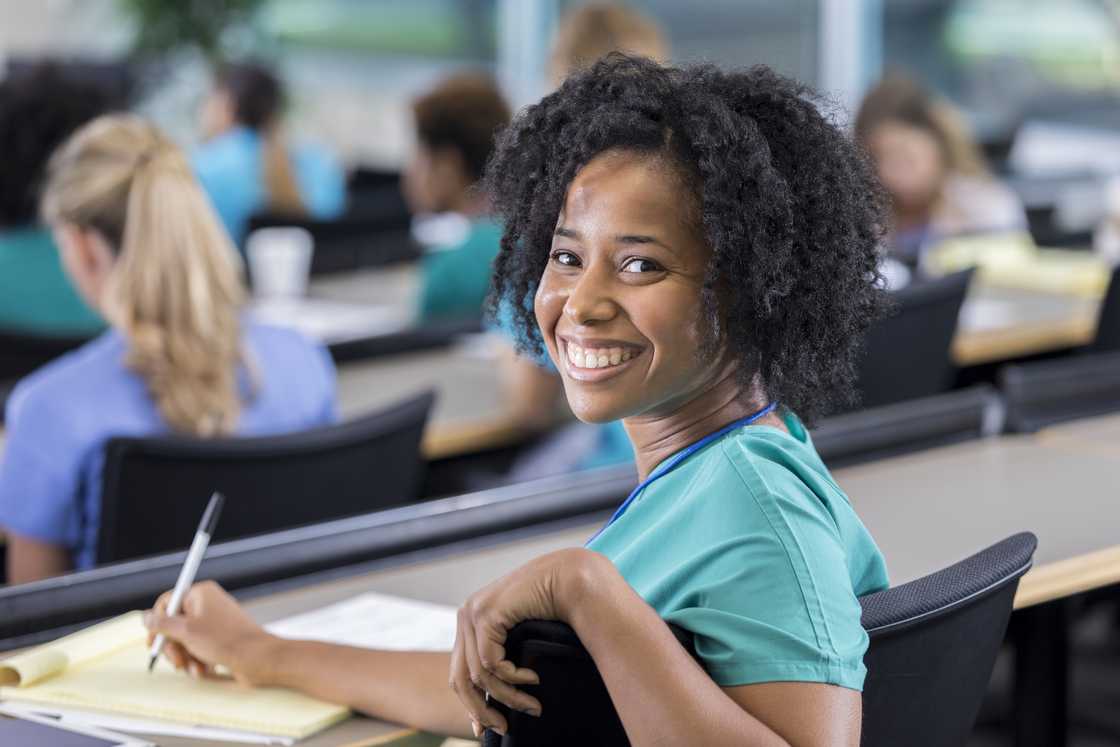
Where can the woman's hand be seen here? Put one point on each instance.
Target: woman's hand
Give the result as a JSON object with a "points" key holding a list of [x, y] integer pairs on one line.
{"points": [[211, 629], [546, 588]]}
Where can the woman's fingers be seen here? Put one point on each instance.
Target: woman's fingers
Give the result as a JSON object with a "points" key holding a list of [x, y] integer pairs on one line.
{"points": [[515, 675], [464, 679]]}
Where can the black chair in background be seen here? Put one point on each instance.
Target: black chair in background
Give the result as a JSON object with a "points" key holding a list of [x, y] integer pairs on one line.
{"points": [[1048, 392], [907, 355], [351, 241], [933, 645], [904, 427], [155, 489], [22, 353], [1107, 339]]}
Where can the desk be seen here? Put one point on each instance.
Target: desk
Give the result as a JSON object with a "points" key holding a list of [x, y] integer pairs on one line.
{"points": [[913, 505], [999, 324], [1088, 436]]}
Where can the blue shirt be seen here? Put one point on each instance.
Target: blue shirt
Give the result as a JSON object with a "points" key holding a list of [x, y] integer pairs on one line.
{"points": [[456, 278], [60, 417], [751, 546], [230, 168]]}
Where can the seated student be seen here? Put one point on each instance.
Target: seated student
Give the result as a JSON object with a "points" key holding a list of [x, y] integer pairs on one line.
{"points": [[247, 165], [455, 125], [585, 35], [933, 172], [694, 279], [143, 246], [38, 110]]}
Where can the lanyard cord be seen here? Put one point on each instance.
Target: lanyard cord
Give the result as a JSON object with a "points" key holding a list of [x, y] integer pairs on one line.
{"points": [[676, 460]]}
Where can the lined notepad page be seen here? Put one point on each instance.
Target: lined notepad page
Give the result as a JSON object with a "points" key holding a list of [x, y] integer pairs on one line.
{"points": [[374, 620], [115, 678]]}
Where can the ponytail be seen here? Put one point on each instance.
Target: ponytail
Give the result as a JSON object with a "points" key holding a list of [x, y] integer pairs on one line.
{"points": [[175, 289], [279, 177]]}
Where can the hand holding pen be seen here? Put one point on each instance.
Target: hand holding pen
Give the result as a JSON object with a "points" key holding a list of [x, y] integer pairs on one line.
{"points": [[190, 567]]}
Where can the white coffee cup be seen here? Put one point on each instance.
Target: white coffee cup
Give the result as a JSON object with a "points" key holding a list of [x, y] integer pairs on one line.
{"points": [[280, 261]]}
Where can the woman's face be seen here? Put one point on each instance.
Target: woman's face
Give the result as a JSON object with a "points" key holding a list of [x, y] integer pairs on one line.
{"points": [[619, 303], [909, 163]]}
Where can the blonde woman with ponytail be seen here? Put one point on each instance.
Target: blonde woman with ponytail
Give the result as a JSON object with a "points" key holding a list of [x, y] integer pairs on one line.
{"points": [[246, 163], [143, 246]]}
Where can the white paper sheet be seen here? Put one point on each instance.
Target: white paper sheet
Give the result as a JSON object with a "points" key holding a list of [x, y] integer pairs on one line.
{"points": [[375, 621], [143, 726]]}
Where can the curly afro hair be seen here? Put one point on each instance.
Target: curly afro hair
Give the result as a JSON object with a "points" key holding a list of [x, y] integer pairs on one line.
{"points": [[39, 108], [787, 203]]}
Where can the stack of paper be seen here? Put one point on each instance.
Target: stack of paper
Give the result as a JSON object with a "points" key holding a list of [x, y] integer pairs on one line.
{"points": [[105, 668]]}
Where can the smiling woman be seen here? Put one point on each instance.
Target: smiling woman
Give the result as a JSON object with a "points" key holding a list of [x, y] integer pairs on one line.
{"points": [[699, 246]]}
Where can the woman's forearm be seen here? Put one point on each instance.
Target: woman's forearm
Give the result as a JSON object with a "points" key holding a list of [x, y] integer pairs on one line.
{"points": [[662, 695], [406, 687]]}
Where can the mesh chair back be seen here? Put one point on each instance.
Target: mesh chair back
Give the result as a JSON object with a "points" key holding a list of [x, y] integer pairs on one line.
{"points": [[1048, 392], [907, 355], [904, 427], [351, 241], [155, 489], [933, 645], [1108, 324]]}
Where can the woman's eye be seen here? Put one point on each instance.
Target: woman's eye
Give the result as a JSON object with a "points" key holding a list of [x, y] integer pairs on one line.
{"points": [[640, 265], [565, 258]]}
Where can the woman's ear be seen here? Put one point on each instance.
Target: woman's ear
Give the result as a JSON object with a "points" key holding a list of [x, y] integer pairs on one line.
{"points": [[87, 259]]}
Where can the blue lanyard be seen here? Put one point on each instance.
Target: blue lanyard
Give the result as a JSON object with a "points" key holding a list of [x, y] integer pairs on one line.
{"points": [[679, 457]]}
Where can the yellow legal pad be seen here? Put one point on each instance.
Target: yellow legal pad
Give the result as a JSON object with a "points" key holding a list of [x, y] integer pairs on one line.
{"points": [[105, 668]]}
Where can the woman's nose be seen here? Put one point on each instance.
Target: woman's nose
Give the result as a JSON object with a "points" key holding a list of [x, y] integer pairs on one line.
{"points": [[591, 299]]}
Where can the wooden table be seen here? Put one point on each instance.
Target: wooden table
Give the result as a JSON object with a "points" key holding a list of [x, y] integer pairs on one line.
{"points": [[926, 511], [1099, 435], [998, 324]]}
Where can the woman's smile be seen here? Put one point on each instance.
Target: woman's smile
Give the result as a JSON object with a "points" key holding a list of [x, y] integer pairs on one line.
{"points": [[597, 360]]}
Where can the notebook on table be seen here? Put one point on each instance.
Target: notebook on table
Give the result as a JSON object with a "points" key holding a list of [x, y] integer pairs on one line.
{"points": [[104, 668]]}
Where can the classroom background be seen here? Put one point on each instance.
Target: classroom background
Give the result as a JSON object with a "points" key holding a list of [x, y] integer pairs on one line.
{"points": [[340, 143]]}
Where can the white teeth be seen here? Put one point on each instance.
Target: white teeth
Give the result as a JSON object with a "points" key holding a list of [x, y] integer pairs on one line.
{"points": [[597, 358]]}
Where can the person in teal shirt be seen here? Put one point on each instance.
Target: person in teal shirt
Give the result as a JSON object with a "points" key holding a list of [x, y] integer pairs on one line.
{"points": [[39, 108], [700, 248], [455, 124], [247, 166]]}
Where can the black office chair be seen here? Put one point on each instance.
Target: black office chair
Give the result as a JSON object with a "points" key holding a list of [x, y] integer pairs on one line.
{"points": [[907, 355], [351, 241], [1048, 392], [933, 645], [155, 489], [904, 427], [1107, 339], [22, 353], [437, 334]]}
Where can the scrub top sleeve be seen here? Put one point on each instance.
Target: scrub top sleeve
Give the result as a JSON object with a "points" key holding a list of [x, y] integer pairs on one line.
{"points": [[329, 410], [775, 602], [322, 183], [39, 481]]}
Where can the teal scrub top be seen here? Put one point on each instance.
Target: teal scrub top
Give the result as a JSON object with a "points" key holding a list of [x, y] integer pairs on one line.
{"points": [[230, 169], [751, 546], [456, 279], [36, 297]]}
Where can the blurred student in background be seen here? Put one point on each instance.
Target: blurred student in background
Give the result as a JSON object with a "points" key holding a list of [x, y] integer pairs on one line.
{"points": [[143, 245], [38, 110], [585, 35], [246, 163], [933, 171], [592, 31], [455, 126]]}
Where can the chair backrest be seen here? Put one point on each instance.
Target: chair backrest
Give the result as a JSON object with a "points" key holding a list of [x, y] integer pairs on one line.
{"points": [[933, 645], [351, 241], [904, 427], [1108, 322], [1048, 392], [908, 354], [155, 489], [22, 353]]}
